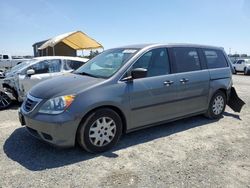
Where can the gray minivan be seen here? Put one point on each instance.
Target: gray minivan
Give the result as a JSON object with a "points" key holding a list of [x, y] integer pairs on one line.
{"points": [[126, 89]]}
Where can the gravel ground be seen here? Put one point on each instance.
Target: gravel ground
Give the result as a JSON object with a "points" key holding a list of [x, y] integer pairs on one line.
{"points": [[194, 152]]}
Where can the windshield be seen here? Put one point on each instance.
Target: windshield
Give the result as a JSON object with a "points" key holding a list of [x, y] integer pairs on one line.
{"points": [[21, 65], [107, 63]]}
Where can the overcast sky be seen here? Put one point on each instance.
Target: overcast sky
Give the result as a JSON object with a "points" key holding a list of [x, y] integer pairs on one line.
{"points": [[114, 23]]}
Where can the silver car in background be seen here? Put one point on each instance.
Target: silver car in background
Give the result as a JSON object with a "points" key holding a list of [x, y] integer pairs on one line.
{"points": [[126, 89], [21, 78]]}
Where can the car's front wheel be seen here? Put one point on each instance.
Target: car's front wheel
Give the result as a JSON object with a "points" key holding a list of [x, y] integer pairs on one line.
{"points": [[235, 71], [217, 105], [246, 71], [5, 101], [100, 130]]}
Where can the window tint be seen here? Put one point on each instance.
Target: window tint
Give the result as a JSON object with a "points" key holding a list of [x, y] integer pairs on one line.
{"points": [[49, 66], [186, 59], [215, 59], [72, 65], [155, 61]]}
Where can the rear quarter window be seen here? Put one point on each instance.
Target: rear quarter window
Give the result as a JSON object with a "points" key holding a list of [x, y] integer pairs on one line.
{"points": [[215, 59]]}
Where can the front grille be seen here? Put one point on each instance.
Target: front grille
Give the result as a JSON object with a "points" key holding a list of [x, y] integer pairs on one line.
{"points": [[30, 103]]}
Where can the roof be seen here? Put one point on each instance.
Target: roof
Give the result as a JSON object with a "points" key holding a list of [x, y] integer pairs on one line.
{"points": [[76, 40], [39, 43], [62, 57], [140, 46]]}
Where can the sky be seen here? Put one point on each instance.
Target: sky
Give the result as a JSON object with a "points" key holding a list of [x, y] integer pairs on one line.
{"points": [[114, 23]]}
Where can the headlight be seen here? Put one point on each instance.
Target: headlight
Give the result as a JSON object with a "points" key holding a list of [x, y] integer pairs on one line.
{"points": [[57, 105]]}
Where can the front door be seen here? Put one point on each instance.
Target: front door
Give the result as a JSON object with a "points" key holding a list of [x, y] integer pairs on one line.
{"points": [[151, 98]]}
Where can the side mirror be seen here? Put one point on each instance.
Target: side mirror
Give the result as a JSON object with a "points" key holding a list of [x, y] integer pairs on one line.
{"points": [[30, 72], [139, 73], [135, 74]]}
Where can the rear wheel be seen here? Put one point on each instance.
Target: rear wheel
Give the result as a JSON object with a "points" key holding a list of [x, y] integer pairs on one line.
{"points": [[5, 101], [217, 105], [100, 131]]}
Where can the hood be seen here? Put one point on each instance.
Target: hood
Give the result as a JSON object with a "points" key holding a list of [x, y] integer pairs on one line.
{"points": [[63, 85]]}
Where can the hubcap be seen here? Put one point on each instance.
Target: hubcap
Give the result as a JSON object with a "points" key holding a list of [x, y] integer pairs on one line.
{"points": [[102, 131], [4, 100], [218, 105]]}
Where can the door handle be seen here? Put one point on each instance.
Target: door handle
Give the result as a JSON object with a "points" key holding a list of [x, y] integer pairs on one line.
{"points": [[168, 82], [184, 80]]}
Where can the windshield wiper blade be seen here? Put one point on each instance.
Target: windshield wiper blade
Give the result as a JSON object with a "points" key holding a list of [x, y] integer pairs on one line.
{"points": [[86, 74]]}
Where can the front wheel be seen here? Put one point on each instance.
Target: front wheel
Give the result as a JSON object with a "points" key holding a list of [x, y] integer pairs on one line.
{"points": [[235, 71], [245, 71], [100, 131], [217, 105], [5, 101]]}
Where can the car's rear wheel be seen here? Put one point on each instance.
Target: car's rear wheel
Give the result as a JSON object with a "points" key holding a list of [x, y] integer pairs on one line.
{"points": [[217, 105], [100, 130], [5, 101]]}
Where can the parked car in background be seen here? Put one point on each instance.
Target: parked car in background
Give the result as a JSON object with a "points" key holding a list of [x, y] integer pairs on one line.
{"points": [[242, 65], [126, 89], [22, 77], [7, 62]]}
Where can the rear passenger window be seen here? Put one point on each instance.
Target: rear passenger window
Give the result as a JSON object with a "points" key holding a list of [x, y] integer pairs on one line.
{"points": [[215, 59], [186, 59]]}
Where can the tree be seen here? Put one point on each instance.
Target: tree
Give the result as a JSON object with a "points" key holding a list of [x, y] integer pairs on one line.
{"points": [[93, 54]]}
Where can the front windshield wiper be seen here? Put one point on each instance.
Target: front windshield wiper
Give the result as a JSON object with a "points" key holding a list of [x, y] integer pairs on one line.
{"points": [[86, 74]]}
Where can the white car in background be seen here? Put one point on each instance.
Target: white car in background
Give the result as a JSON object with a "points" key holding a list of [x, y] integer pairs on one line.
{"points": [[22, 77], [242, 65], [7, 62]]}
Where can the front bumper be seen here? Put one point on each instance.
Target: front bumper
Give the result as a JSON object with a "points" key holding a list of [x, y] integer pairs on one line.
{"points": [[56, 130]]}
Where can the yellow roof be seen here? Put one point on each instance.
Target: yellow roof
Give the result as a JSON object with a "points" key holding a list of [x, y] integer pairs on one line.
{"points": [[76, 40]]}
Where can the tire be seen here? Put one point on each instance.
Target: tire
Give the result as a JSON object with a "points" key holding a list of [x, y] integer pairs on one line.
{"points": [[5, 101], [245, 71], [235, 71], [216, 109], [97, 127]]}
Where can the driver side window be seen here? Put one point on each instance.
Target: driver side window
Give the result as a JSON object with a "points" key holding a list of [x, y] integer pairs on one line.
{"points": [[47, 66], [41, 67], [155, 61]]}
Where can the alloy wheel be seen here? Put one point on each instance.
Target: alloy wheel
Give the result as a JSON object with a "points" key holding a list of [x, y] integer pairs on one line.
{"points": [[218, 105], [5, 101]]}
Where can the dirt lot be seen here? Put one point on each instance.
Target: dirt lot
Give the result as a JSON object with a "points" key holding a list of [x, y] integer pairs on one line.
{"points": [[194, 152]]}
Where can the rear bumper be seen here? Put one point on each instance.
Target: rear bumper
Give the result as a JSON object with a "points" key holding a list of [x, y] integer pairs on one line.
{"points": [[59, 133]]}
